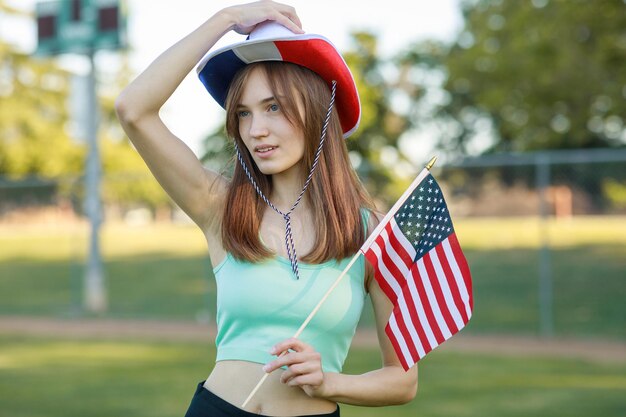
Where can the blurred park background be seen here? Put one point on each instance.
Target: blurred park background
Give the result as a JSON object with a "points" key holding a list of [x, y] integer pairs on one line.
{"points": [[526, 109]]}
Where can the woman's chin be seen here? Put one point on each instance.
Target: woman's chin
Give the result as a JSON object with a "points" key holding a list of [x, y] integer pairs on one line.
{"points": [[268, 168]]}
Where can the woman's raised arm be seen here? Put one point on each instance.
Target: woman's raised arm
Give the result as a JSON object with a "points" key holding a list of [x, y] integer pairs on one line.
{"points": [[195, 189]]}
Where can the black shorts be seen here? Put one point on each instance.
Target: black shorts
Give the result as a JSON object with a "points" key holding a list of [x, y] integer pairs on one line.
{"points": [[206, 404]]}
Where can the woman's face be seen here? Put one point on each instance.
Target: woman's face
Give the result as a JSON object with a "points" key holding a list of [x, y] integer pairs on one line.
{"points": [[276, 145]]}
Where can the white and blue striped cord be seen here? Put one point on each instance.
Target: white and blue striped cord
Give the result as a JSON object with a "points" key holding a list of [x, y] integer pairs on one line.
{"points": [[291, 249]]}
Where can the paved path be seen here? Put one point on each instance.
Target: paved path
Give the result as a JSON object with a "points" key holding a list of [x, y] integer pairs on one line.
{"points": [[592, 350]]}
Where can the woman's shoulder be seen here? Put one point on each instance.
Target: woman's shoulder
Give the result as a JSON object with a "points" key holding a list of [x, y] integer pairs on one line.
{"points": [[371, 218]]}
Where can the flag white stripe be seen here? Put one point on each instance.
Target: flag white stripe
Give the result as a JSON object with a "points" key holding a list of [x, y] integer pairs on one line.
{"points": [[404, 309], [458, 277], [445, 289], [408, 358], [419, 306], [443, 327]]}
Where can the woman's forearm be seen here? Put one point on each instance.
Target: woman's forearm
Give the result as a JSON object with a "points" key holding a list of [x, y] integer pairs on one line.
{"points": [[390, 385], [151, 89]]}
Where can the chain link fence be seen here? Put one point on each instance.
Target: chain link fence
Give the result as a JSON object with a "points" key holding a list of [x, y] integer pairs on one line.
{"points": [[546, 239]]}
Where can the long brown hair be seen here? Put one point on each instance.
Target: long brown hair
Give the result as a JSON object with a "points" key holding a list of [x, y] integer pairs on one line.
{"points": [[335, 192]]}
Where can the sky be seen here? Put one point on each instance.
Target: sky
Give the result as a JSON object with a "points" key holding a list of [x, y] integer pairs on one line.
{"points": [[154, 25]]}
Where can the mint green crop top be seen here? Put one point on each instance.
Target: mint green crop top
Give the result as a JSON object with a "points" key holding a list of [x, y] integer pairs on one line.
{"points": [[261, 304]]}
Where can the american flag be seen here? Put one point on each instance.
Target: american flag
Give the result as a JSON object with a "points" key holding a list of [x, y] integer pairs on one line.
{"points": [[420, 266]]}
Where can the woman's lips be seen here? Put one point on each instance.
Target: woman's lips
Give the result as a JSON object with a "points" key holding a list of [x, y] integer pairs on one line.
{"points": [[265, 151]]}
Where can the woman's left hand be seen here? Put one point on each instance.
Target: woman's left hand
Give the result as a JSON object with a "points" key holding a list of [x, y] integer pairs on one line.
{"points": [[304, 366]]}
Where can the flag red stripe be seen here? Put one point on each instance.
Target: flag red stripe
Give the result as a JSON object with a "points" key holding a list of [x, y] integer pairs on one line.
{"points": [[396, 346], [418, 326], [394, 258], [396, 239], [441, 300], [389, 279], [373, 258], [382, 282], [462, 263], [447, 291], [454, 289], [382, 244], [405, 324], [428, 308], [406, 257], [392, 264], [404, 334], [412, 321]]}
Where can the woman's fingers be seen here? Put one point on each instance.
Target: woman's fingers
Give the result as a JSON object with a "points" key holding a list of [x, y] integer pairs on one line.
{"points": [[312, 380], [293, 21], [290, 344], [290, 352], [288, 22], [301, 365], [247, 16]]}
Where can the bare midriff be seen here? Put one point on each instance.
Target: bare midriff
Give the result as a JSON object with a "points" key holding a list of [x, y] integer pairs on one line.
{"points": [[234, 380]]}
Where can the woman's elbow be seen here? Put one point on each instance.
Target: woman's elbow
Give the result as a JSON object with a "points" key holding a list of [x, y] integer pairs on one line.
{"points": [[131, 109], [124, 111], [406, 394], [410, 392]]}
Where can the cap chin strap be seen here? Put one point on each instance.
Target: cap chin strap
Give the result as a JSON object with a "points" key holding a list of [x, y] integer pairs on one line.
{"points": [[291, 248]]}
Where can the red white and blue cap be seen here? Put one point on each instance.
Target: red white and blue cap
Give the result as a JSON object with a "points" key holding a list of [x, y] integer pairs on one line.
{"points": [[270, 41]]}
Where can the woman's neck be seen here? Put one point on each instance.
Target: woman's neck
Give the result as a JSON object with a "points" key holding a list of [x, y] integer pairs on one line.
{"points": [[286, 188]]}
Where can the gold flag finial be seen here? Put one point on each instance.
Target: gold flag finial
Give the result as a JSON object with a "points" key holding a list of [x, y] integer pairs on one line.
{"points": [[430, 163]]}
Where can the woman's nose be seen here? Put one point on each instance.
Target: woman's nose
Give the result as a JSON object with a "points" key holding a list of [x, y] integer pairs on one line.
{"points": [[258, 127]]}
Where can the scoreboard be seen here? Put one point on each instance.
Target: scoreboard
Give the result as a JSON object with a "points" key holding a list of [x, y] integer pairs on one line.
{"points": [[80, 26]]}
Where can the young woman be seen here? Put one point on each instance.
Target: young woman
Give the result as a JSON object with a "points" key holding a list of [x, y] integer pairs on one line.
{"points": [[282, 229]]}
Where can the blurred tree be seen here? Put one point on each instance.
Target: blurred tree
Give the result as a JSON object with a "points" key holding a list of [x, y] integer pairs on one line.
{"points": [[374, 147], [33, 115], [34, 122], [615, 191], [540, 74]]}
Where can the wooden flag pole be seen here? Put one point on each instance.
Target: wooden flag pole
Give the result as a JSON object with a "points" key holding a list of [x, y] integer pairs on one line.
{"points": [[363, 248]]}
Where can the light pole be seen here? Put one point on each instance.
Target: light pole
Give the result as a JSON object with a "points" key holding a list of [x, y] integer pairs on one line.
{"points": [[83, 27]]}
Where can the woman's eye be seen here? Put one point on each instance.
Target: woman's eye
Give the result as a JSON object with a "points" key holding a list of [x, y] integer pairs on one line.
{"points": [[243, 113], [274, 107]]}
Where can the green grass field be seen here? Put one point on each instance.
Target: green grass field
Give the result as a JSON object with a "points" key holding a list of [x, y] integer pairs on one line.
{"points": [[43, 377], [162, 271]]}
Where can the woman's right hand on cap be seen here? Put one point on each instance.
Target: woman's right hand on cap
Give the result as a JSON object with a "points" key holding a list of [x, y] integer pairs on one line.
{"points": [[245, 17]]}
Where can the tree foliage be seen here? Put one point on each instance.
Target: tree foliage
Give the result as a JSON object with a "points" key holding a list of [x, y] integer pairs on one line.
{"points": [[374, 147], [34, 127], [33, 118], [544, 74]]}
